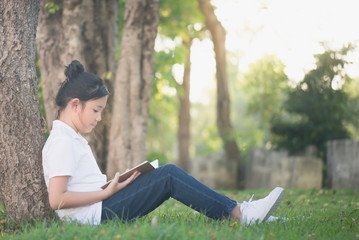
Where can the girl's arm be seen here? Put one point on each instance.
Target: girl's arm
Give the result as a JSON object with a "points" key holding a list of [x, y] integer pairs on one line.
{"points": [[60, 198]]}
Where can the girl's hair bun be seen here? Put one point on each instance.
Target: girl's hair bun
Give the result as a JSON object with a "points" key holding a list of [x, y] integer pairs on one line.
{"points": [[79, 84], [74, 69]]}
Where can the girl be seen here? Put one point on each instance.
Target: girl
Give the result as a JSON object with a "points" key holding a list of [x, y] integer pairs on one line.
{"points": [[74, 180]]}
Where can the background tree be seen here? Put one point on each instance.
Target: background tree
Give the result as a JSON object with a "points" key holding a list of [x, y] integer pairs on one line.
{"points": [[225, 128], [133, 86], [351, 88], [82, 30], [318, 107], [22, 187], [162, 121], [184, 115], [266, 86], [180, 24]]}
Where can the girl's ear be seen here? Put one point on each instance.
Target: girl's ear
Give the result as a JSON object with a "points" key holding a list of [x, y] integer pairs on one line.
{"points": [[75, 104]]}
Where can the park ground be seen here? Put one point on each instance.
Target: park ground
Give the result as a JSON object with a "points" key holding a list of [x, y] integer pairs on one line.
{"points": [[312, 214]]}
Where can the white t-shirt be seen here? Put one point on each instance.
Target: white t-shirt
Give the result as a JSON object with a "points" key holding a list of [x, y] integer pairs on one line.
{"points": [[67, 153]]}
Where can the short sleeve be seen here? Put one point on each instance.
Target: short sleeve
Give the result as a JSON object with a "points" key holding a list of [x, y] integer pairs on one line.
{"points": [[61, 158]]}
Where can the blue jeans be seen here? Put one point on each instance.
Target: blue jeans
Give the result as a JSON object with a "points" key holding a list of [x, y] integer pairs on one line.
{"points": [[150, 190]]}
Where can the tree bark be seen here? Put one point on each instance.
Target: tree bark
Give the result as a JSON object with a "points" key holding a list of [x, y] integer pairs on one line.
{"points": [[22, 187], [133, 86], [86, 31], [184, 118], [58, 43], [223, 100], [100, 34]]}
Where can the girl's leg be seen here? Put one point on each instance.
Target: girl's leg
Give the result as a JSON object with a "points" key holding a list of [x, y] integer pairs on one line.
{"points": [[149, 191]]}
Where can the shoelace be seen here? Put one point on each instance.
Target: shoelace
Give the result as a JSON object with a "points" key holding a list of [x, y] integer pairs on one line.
{"points": [[250, 200], [245, 204]]}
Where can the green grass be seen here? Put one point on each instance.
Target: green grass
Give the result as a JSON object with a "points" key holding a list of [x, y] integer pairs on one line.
{"points": [[313, 214]]}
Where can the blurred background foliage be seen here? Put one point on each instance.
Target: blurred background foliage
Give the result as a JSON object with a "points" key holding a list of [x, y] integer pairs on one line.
{"points": [[267, 109], [318, 108]]}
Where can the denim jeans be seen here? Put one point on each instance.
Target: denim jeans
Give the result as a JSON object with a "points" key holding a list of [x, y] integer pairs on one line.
{"points": [[150, 190]]}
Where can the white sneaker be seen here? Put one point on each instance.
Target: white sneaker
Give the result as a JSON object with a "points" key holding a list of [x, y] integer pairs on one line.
{"points": [[259, 210]]}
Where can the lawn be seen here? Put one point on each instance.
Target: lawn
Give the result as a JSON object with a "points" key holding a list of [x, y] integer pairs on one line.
{"points": [[312, 214]]}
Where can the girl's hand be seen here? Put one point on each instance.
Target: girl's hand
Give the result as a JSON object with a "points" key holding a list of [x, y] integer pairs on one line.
{"points": [[116, 186]]}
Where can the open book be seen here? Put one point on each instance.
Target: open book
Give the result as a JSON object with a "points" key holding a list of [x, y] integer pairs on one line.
{"points": [[143, 168]]}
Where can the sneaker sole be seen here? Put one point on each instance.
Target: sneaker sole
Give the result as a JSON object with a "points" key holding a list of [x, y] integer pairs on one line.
{"points": [[278, 195]]}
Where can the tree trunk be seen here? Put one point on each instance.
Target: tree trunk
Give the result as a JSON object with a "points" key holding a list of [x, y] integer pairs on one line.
{"points": [[100, 31], [223, 101], [58, 43], [184, 118], [133, 86], [86, 31], [22, 187]]}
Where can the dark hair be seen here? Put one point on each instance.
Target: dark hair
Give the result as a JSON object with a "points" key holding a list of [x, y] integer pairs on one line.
{"points": [[79, 84]]}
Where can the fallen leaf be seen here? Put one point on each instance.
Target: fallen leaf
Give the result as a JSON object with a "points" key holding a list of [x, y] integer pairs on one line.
{"points": [[233, 224]]}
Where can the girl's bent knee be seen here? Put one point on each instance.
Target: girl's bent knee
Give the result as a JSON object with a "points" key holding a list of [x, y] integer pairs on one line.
{"points": [[170, 168]]}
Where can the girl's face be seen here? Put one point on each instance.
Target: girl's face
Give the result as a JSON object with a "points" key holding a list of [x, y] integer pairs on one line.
{"points": [[89, 114]]}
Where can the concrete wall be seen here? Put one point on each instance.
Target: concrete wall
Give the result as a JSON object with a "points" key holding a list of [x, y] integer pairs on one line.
{"points": [[214, 172], [264, 169], [268, 169], [343, 164]]}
